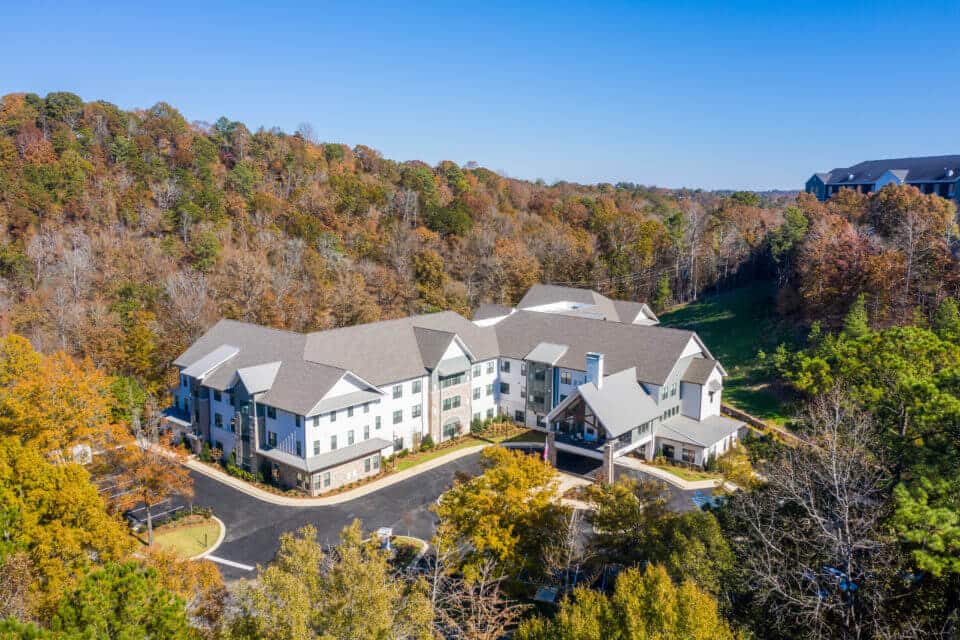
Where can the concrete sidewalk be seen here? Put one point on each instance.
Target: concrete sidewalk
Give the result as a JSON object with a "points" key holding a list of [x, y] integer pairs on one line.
{"points": [[671, 479], [346, 496]]}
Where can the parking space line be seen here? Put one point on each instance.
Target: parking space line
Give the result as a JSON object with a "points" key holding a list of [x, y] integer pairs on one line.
{"points": [[229, 563]]}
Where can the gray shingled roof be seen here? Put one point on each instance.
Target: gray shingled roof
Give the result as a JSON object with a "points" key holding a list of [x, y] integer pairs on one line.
{"points": [[699, 370], [599, 306], [329, 459], [702, 433], [922, 169], [653, 350], [486, 311], [620, 403], [432, 345]]}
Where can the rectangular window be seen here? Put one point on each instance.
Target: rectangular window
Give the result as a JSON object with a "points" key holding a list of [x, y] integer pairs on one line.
{"points": [[216, 396], [504, 388], [366, 407], [451, 381], [540, 375], [476, 393], [477, 370], [333, 416], [505, 366], [519, 416], [271, 438], [299, 448], [218, 420], [376, 423], [271, 413], [673, 389], [476, 416], [523, 392], [299, 421], [366, 465], [376, 461], [326, 479], [349, 412], [397, 391], [316, 421], [451, 403], [350, 437], [398, 416], [523, 368], [415, 411], [489, 389], [490, 366], [566, 377], [490, 412], [333, 443], [316, 447], [688, 455], [316, 481], [366, 432], [415, 386]]}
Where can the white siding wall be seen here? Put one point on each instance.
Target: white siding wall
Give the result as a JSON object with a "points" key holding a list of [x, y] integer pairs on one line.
{"points": [[319, 428], [487, 377], [405, 403], [708, 407], [690, 395], [285, 426], [513, 401]]}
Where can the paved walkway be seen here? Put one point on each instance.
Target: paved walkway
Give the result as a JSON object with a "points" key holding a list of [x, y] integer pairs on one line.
{"points": [[669, 478], [340, 498]]}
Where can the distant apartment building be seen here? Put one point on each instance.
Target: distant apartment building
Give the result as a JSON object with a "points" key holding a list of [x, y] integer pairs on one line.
{"points": [[932, 175], [317, 411]]}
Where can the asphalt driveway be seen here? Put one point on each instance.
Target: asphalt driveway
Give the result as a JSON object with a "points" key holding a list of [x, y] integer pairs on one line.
{"points": [[254, 527]]}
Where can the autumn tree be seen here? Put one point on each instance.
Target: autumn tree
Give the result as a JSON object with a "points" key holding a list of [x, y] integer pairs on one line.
{"points": [[147, 474], [509, 514], [350, 592], [645, 605]]}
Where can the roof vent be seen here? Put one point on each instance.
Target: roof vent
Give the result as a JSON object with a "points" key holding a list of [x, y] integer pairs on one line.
{"points": [[850, 178]]}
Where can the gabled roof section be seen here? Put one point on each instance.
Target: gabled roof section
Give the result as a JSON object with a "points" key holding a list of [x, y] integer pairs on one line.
{"points": [[432, 344], [701, 433], [487, 311], [699, 370], [652, 350], [919, 169], [620, 404], [200, 368], [547, 353], [259, 378]]}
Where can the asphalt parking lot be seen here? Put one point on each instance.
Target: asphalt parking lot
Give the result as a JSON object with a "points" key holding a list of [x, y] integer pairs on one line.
{"points": [[253, 527]]}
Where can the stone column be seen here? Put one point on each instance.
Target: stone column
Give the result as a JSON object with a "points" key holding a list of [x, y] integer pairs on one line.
{"points": [[608, 468], [552, 448]]}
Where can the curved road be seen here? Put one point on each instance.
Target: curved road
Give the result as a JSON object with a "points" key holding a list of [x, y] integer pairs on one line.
{"points": [[254, 526]]}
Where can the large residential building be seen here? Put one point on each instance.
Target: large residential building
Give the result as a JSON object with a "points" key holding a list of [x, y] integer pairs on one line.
{"points": [[319, 410], [932, 175]]}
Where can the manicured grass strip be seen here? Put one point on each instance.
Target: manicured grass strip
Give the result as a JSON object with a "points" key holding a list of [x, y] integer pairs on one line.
{"points": [[190, 539], [419, 458], [690, 475], [735, 326]]}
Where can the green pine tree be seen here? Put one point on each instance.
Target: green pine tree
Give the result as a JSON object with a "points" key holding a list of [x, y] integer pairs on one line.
{"points": [[856, 324]]}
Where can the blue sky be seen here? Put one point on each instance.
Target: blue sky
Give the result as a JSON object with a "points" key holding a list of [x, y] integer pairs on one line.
{"points": [[713, 95]]}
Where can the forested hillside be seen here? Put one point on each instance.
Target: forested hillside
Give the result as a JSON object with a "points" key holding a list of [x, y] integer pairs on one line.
{"points": [[125, 233]]}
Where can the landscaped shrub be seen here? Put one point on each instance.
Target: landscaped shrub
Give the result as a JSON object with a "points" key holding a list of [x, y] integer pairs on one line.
{"points": [[427, 443], [478, 426], [205, 452]]}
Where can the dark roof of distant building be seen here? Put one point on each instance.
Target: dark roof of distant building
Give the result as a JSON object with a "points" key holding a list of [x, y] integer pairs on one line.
{"points": [[925, 169], [487, 310]]}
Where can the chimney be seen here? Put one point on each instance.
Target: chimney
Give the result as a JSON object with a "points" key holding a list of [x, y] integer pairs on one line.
{"points": [[595, 368]]}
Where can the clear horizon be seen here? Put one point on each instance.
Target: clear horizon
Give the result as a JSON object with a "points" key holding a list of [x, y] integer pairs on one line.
{"points": [[744, 96]]}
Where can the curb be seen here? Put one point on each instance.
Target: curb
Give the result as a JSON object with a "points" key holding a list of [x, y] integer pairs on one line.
{"points": [[340, 498], [223, 534]]}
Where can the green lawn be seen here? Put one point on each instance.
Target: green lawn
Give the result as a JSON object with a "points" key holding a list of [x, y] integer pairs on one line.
{"points": [[690, 475], [735, 325], [419, 458], [188, 540], [528, 436]]}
